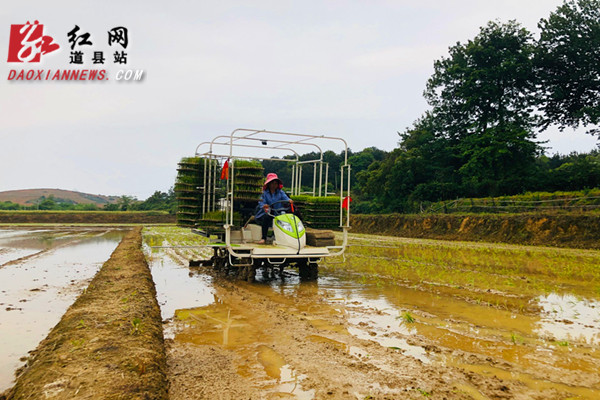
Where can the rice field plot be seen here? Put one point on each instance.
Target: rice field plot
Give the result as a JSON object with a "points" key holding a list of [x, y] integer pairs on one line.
{"points": [[396, 318], [177, 243], [42, 271], [523, 313]]}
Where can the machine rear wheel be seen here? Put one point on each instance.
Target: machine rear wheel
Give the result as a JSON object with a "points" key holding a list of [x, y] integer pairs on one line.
{"points": [[308, 270], [313, 270]]}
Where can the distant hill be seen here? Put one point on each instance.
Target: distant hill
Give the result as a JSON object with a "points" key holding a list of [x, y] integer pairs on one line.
{"points": [[28, 197]]}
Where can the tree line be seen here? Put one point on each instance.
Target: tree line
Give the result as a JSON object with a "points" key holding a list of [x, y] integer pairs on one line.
{"points": [[490, 98]]}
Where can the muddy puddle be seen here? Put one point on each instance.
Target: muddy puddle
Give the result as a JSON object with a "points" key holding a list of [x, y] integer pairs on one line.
{"points": [[41, 273], [348, 334]]}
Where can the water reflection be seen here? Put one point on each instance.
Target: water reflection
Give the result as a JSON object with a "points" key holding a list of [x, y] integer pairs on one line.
{"points": [[35, 293], [568, 318], [176, 285], [18, 244]]}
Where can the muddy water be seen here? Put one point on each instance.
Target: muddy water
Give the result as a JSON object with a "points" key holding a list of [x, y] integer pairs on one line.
{"points": [[41, 274], [540, 341]]}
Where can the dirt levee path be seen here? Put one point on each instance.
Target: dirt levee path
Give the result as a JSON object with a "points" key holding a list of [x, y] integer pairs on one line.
{"points": [[109, 343], [85, 217]]}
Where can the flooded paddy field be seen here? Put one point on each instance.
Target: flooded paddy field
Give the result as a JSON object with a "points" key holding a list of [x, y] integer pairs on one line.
{"points": [[397, 318], [42, 271]]}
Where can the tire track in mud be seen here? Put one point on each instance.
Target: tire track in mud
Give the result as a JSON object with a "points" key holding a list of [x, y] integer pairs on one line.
{"points": [[330, 340], [256, 343]]}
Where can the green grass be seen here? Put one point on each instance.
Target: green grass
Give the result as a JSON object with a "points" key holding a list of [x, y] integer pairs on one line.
{"points": [[136, 323], [528, 202]]}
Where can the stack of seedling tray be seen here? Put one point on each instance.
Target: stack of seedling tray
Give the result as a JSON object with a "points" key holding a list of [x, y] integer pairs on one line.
{"points": [[189, 189], [212, 222], [247, 181], [320, 237], [319, 212]]}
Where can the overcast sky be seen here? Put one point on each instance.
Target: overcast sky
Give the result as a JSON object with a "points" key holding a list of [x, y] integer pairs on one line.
{"points": [[354, 69]]}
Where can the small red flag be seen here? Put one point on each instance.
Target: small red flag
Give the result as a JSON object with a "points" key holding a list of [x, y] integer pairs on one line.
{"points": [[292, 206], [346, 202], [225, 170]]}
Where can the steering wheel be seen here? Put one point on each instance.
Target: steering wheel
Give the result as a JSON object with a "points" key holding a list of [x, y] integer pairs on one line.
{"points": [[290, 206]]}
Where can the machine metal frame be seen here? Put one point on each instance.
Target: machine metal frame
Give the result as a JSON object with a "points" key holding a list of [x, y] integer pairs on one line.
{"points": [[246, 255]]}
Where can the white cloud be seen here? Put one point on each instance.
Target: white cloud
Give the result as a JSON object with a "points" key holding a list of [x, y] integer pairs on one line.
{"points": [[400, 59]]}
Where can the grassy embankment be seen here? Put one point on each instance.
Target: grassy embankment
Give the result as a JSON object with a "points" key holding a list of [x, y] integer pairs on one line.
{"points": [[109, 344], [86, 217], [575, 201], [577, 230]]}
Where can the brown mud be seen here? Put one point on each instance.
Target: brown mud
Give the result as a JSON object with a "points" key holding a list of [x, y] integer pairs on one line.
{"points": [[256, 344], [561, 230], [109, 344]]}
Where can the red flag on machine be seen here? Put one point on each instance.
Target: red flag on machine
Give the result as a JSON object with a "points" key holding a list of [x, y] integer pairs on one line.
{"points": [[225, 170], [346, 202]]}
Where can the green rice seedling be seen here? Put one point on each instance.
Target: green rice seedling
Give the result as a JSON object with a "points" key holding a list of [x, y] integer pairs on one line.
{"points": [[528, 202], [248, 164], [469, 270], [407, 317], [191, 160], [515, 338], [248, 180], [188, 188], [319, 212]]}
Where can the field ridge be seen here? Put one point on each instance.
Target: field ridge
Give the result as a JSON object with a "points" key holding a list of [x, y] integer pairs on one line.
{"points": [[560, 230]]}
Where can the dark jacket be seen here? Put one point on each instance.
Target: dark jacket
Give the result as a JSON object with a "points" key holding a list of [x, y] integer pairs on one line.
{"points": [[268, 198]]}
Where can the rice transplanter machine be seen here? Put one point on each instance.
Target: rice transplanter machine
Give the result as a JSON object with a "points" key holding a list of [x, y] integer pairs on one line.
{"points": [[234, 242]]}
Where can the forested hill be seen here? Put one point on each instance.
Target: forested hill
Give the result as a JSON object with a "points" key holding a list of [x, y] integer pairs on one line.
{"points": [[29, 197]]}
